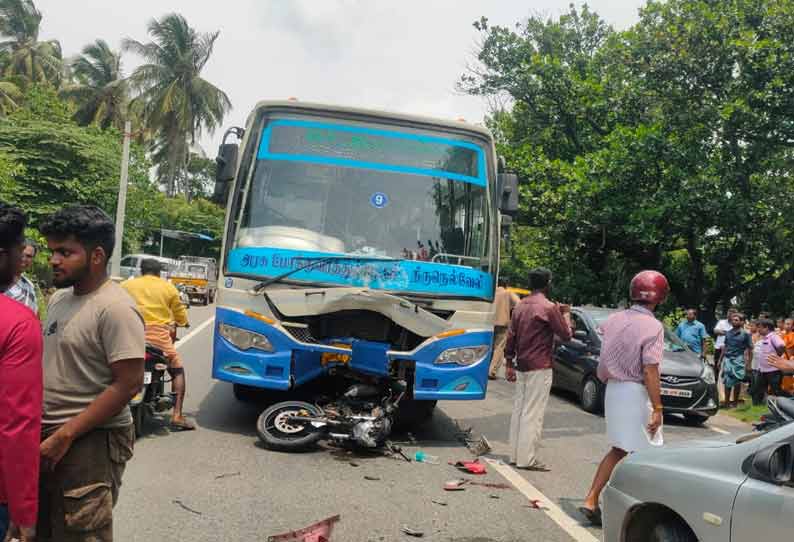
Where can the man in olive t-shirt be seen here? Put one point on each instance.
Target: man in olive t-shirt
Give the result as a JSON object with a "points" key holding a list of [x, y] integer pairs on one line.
{"points": [[93, 366]]}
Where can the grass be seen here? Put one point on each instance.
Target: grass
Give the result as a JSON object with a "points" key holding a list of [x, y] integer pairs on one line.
{"points": [[746, 412]]}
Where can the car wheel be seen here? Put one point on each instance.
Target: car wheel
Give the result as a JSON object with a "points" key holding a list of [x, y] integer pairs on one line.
{"points": [[695, 420], [590, 396], [672, 532]]}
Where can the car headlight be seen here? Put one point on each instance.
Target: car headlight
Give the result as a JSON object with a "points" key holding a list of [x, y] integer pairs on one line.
{"points": [[708, 374], [244, 339], [466, 355]]}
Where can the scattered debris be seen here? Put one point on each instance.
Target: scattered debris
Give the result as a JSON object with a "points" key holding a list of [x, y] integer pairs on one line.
{"points": [[411, 532], [317, 532], [394, 449], [490, 485], [536, 504], [372, 478], [493, 496], [227, 475], [477, 446], [421, 457], [472, 467], [440, 503], [353, 464], [455, 485], [185, 507]]}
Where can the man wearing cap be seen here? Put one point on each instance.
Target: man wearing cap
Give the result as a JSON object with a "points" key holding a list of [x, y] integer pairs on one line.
{"points": [[633, 343]]}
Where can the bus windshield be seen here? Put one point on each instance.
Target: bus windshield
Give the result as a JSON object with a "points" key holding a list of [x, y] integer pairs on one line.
{"points": [[362, 189]]}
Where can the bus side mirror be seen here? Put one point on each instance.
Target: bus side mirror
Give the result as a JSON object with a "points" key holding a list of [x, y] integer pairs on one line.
{"points": [[225, 172], [507, 184]]}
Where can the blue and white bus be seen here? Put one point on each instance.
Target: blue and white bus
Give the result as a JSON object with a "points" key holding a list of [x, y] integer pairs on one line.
{"points": [[358, 239]]}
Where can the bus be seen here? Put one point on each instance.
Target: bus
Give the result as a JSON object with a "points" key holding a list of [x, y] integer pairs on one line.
{"points": [[359, 240]]}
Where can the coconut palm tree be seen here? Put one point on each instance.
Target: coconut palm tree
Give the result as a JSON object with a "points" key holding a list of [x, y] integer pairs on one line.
{"points": [[99, 90], [173, 98], [24, 55]]}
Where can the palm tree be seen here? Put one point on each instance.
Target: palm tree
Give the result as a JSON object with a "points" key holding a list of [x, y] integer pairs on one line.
{"points": [[100, 91], [174, 100], [24, 55], [9, 97]]}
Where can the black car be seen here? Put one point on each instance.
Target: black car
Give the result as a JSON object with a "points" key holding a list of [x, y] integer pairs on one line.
{"points": [[688, 383]]}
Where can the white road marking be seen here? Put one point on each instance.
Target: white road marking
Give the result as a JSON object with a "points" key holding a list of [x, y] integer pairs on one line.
{"points": [[719, 430], [566, 522], [186, 338]]}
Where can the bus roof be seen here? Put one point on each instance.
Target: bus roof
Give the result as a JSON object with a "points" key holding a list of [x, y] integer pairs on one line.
{"points": [[308, 107]]}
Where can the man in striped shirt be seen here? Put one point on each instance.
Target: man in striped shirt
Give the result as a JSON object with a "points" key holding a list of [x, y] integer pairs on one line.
{"points": [[631, 352]]}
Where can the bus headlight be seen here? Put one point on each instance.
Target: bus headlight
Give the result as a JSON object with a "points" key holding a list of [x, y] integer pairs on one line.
{"points": [[243, 339], [466, 355]]}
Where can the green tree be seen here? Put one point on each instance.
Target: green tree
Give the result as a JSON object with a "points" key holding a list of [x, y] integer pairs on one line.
{"points": [[174, 100], [22, 55], [665, 146], [99, 90]]}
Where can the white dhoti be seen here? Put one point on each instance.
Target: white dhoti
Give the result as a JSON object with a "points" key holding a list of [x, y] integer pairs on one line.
{"points": [[529, 408], [628, 409]]}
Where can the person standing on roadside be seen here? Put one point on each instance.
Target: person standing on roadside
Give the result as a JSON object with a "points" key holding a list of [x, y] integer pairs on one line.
{"points": [[769, 376], [20, 391], [159, 304], [693, 333], [530, 341], [22, 289], [737, 359], [93, 366], [631, 352], [722, 327], [504, 302]]}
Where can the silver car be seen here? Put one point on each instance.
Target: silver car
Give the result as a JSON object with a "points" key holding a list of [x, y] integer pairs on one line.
{"points": [[716, 491]]}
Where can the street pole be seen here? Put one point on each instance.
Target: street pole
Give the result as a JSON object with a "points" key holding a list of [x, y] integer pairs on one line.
{"points": [[161, 242], [115, 265]]}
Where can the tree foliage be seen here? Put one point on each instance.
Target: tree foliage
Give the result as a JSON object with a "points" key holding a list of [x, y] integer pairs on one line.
{"points": [[173, 97], [22, 55], [666, 146]]}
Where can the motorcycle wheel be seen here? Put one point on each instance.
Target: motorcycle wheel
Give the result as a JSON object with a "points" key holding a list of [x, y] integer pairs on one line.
{"points": [[278, 434]]}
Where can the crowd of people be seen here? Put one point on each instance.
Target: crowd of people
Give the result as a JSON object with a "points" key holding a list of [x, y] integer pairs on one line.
{"points": [[755, 351], [66, 430]]}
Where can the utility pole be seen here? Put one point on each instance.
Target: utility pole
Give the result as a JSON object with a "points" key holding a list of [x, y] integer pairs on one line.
{"points": [[115, 265]]}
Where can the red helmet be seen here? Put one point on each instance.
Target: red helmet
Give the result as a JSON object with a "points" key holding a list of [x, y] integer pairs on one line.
{"points": [[649, 286]]}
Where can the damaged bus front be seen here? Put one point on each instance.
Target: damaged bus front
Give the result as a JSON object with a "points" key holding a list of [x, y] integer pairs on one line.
{"points": [[358, 243]]}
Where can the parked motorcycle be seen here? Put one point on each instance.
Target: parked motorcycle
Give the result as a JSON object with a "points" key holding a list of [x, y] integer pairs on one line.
{"points": [[781, 412], [152, 398], [362, 416]]}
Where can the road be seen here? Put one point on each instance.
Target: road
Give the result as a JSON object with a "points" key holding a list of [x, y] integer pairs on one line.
{"points": [[218, 484]]}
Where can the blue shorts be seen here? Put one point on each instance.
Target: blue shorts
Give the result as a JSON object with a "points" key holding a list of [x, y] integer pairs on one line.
{"points": [[3, 521]]}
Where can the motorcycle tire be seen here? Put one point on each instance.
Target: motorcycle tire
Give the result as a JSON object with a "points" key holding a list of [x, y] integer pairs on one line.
{"points": [[279, 435]]}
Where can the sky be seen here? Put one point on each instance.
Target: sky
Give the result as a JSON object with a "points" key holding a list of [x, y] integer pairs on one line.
{"points": [[397, 55]]}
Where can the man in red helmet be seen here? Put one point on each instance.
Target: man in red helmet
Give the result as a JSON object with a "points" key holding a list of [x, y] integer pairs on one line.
{"points": [[633, 343]]}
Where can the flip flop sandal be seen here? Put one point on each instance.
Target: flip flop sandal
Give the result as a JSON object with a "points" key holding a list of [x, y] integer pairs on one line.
{"points": [[537, 467], [182, 426], [593, 516]]}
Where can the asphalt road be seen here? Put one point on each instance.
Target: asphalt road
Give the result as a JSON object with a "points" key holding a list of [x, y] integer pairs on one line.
{"points": [[218, 484]]}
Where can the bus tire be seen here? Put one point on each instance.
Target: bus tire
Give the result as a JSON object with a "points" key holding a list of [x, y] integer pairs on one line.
{"points": [[413, 413]]}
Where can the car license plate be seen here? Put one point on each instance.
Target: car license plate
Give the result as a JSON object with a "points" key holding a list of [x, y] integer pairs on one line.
{"points": [[147, 378], [676, 393]]}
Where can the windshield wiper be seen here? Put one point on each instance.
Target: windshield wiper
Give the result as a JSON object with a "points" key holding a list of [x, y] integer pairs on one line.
{"points": [[316, 261]]}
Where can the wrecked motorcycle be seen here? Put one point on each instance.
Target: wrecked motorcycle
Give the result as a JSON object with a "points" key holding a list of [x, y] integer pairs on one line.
{"points": [[362, 416]]}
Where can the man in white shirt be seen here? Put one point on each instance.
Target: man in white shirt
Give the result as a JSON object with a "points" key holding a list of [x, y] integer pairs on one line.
{"points": [[722, 327]]}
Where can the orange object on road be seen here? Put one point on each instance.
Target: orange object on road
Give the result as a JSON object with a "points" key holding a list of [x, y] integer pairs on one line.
{"points": [[317, 532]]}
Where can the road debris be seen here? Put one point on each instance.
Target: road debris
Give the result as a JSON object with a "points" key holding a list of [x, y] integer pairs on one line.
{"points": [[422, 457], [411, 532], [440, 503], [536, 504], [228, 475], [396, 450], [472, 467], [494, 496], [477, 446], [186, 507], [372, 478], [353, 464], [455, 485], [317, 532]]}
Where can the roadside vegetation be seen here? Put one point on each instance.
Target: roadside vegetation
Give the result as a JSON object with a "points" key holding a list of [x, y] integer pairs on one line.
{"points": [[61, 123]]}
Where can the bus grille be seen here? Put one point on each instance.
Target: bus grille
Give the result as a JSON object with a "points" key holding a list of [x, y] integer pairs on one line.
{"points": [[300, 333]]}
